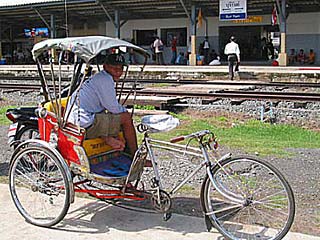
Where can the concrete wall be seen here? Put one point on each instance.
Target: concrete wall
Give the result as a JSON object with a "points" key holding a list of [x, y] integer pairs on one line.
{"points": [[303, 32], [87, 29]]}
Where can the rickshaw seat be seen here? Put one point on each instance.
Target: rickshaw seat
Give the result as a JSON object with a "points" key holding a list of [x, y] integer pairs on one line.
{"points": [[93, 147], [105, 162], [96, 146], [115, 164], [50, 107]]}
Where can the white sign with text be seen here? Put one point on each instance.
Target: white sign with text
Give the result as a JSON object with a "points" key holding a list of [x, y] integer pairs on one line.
{"points": [[232, 10]]}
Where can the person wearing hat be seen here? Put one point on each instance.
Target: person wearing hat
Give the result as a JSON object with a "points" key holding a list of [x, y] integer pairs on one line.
{"points": [[233, 52], [97, 109]]}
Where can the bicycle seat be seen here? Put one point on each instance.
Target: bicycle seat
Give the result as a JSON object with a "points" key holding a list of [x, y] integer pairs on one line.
{"points": [[160, 123]]}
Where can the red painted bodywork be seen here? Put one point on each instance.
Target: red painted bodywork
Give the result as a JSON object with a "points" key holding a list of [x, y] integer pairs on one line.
{"points": [[68, 137]]}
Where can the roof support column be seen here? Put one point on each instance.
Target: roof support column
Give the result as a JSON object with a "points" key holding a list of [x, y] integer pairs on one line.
{"points": [[12, 60], [283, 29], [193, 55], [42, 18], [117, 23], [52, 26], [185, 9]]}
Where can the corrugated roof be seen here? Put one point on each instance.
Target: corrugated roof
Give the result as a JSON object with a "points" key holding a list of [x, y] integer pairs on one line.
{"points": [[13, 3]]}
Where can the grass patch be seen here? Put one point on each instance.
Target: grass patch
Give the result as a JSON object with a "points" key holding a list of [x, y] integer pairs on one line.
{"points": [[159, 85], [188, 190], [250, 136], [254, 136], [3, 119], [146, 107]]}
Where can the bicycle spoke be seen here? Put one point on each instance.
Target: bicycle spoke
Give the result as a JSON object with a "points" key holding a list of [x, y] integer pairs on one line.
{"points": [[36, 177], [265, 198], [276, 193]]}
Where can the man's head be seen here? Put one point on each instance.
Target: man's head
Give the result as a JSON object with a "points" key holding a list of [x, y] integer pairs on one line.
{"points": [[232, 39], [113, 64]]}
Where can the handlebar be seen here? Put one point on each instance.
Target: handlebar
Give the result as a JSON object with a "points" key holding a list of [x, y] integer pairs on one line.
{"points": [[198, 134]]}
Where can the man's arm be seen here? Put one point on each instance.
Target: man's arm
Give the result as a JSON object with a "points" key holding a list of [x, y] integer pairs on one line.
{"points": [[238, 52]]}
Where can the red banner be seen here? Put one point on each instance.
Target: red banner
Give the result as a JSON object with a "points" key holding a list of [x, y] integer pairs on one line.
{"points": [[274, 17]]}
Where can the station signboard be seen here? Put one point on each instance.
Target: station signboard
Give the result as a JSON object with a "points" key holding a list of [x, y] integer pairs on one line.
{"points": [[232, 10]]}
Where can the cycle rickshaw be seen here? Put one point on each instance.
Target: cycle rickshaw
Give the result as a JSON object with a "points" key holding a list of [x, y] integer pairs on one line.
{"points": [[242, 197]]}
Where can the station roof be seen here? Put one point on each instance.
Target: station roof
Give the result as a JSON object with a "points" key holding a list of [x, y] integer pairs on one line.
{"points": [[14, 3], [15, 12]]}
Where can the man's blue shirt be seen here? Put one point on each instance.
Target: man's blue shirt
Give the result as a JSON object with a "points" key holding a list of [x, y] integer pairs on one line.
{"points": [[96, 94]]}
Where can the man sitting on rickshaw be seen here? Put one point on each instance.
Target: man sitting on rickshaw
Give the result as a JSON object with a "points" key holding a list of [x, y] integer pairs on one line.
{"points": [[97, 109]]}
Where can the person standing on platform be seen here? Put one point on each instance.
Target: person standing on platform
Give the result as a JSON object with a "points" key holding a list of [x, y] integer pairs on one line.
{"points": [[206, 48], [158, 48], [233, 52], [174, 50], [132, 59]]}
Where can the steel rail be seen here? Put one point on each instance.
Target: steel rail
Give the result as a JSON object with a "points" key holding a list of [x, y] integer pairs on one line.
{"points": [[238, 94], [241, 94], [188, 81], [18, 87]]}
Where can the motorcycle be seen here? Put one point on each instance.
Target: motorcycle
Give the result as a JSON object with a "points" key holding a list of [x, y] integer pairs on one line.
{"points": [[24, 124]]}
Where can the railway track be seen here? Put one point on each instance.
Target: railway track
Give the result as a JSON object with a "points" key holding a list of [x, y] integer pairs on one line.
{"points": [[185, 81], [239, 94], [21, 87], [28, 87], [235, 94]]}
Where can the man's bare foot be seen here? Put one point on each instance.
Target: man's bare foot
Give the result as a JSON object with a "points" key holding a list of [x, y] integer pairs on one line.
{"points": [[115, 143]]}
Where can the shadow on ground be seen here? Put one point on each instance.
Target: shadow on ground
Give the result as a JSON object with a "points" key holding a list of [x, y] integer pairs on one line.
{"points": [[99, 217]]}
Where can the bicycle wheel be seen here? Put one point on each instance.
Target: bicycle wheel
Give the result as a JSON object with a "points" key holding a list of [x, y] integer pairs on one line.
{"points": [[39, 186], [260, 203]]}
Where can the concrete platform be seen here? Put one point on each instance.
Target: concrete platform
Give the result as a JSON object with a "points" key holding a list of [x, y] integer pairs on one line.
{"points": [[95, 220], [251, 68]]}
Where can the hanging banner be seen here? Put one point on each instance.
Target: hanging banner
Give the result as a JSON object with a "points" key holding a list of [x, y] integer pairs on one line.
{"points": [[232, 10], [274, 16]]}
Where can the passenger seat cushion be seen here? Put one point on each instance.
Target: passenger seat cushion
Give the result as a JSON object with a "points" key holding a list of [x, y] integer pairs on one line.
{"points": [[116, 164]]}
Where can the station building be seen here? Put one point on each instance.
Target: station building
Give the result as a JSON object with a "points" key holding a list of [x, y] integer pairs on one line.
{"points": [[297, 26]]}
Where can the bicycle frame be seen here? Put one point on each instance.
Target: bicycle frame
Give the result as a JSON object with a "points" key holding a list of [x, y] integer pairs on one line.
{"points": [[187, 150]]}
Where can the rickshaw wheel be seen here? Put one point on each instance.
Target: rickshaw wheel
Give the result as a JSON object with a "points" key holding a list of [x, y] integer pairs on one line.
{"points": [[39, 186]]}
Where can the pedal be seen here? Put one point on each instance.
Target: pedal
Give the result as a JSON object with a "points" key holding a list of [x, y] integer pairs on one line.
{"points": [[166, 216]]}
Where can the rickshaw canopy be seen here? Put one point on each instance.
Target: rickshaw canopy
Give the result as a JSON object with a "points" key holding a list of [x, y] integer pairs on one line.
{"points": [[85, 48]]}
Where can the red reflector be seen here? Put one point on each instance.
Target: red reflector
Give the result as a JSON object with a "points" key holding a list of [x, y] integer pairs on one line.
{"points": [[10, 117]]}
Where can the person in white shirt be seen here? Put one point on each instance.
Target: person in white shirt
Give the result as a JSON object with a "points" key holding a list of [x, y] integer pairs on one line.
{"points": [[158, 49], [206, 48], [233, 52]]}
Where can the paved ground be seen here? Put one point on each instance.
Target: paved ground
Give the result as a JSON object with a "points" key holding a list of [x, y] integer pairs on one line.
{"points": [[92, 220]]}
